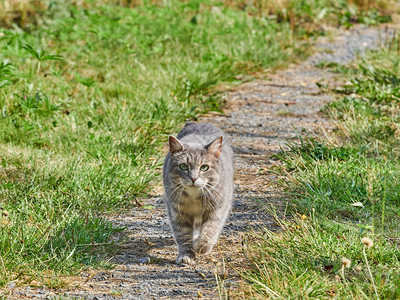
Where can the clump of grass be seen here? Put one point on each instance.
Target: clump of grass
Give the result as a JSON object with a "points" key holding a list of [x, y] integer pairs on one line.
{"points": [[306, 260], [21, 12], [349, 186], [307, 16]]}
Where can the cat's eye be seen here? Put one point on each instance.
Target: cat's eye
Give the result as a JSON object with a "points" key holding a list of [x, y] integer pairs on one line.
{"points": [[184, 167], [204, 168]]}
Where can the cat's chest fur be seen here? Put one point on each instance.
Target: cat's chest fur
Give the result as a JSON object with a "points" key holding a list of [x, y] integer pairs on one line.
{"points": [[191, 202], [192, 193]]}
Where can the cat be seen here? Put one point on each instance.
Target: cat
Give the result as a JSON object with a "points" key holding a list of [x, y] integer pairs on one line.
{"points": [[198, 185]]}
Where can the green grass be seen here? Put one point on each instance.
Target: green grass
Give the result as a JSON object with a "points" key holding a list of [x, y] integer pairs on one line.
{"points": [[88, 95], [304, 261], [340, 191], [86, 102]]}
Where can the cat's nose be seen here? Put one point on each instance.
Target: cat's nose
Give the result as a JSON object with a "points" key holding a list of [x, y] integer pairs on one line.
{"points": [[193, 179]]}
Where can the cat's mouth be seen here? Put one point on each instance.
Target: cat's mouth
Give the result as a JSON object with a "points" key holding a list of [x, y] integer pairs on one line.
{"points": [[193, 191], [194, 185]]}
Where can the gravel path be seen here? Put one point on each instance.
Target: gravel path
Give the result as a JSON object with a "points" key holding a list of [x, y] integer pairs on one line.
{"points": [[260, 117]]}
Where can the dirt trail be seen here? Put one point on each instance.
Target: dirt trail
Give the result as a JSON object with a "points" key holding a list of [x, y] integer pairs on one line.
{"points": [[260, 117]]}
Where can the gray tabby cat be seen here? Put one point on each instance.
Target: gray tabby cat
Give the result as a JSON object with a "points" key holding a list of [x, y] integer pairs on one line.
{"points": [[198, 184]]}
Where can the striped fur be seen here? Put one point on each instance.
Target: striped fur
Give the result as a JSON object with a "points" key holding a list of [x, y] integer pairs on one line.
{"points": [[198, 200]]}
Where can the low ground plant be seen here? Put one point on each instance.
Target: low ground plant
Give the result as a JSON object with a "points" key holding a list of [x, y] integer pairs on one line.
{"points": [[342, 239]]}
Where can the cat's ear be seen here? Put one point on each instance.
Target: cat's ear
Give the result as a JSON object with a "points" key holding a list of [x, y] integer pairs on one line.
{"points": [[215, 147], [175, 146]]}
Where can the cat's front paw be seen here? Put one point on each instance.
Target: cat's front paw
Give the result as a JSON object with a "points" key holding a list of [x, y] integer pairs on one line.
{"points": [[186, 258], [202, 246]]}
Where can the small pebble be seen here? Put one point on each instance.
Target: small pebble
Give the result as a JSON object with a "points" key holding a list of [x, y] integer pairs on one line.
{"points": [[144, 260]]}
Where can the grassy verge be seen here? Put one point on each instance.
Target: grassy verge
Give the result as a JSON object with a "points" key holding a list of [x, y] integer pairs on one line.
{"points": [[88, 93], [344, 191]]}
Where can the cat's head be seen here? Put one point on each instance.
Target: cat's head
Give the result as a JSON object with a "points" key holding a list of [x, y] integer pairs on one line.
{"points": [[193, 165]]}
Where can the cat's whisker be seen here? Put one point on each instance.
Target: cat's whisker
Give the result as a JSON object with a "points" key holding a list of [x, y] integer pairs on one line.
{"points": [[214, 189], [210, 201], [179, 189], [178, 186], [179, 210], [204, 194]]}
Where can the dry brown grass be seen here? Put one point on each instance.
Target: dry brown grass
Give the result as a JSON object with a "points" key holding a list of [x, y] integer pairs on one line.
{"points": [[309, 18], [21, 12], [25, 12], [276, 6]]}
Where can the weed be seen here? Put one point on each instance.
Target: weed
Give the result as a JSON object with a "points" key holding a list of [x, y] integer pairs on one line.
{"points": [[40, 56], [5, 73], [306, 259]]}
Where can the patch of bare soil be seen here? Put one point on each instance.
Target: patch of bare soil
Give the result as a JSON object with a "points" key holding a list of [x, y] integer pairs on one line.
{"points": [[260, 118]]}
